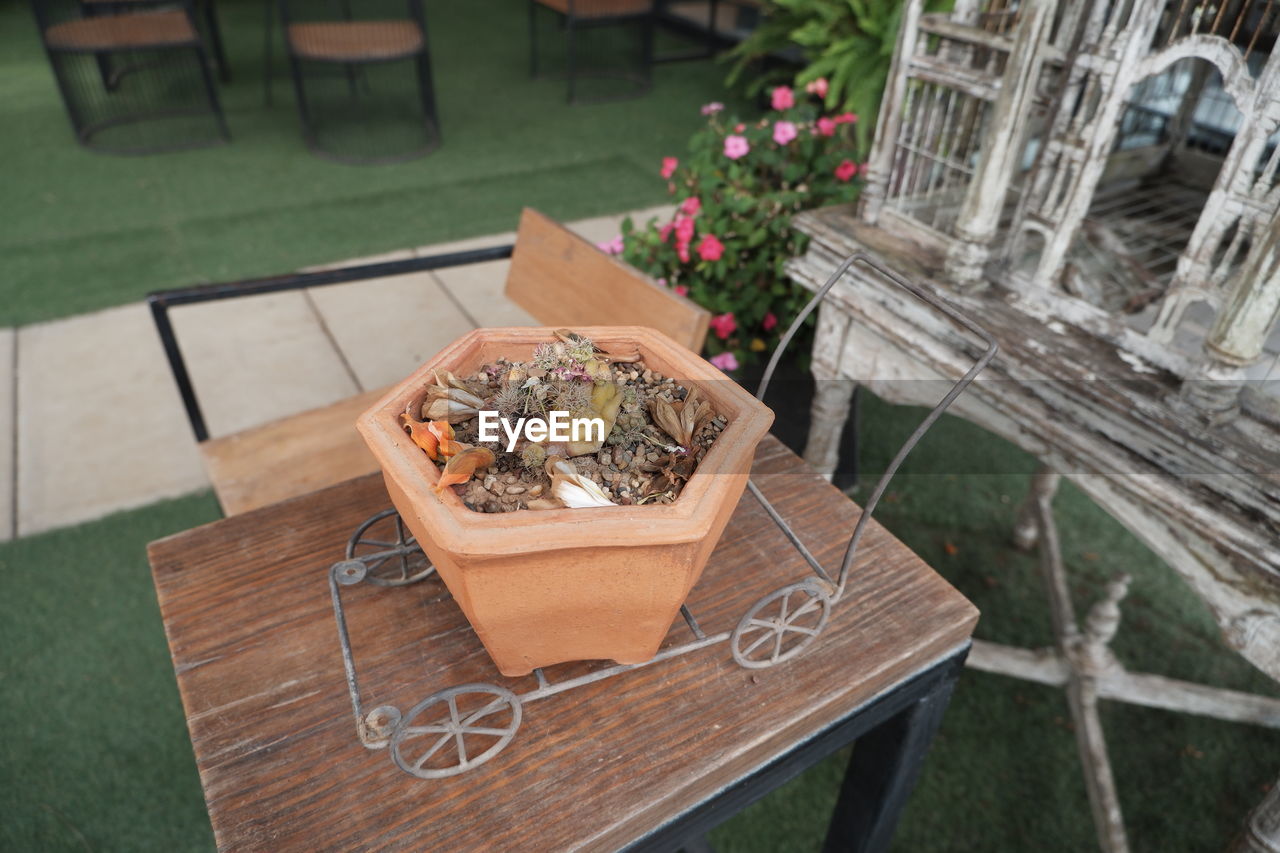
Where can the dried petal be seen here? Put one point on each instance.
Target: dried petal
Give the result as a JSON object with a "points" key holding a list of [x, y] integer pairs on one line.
{"points": [[571, 487], [463, 465], [681, 420], [544, 503], [423, 436]]}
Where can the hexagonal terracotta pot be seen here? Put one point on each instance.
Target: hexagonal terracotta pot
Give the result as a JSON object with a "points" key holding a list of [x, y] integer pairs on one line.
{"points": [[546, 586]]}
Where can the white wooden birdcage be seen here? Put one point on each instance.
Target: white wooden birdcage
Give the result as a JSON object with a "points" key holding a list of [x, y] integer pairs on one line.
{"points": [[1113, 159]]}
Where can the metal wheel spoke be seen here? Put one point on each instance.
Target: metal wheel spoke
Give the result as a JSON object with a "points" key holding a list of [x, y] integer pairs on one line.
{"points": [[812, 632], [808, 607], [377, 543], [462, 749], [445, 738], [484, 731], [760, 623], [453, 710], [757, 644], [495, 705], [425, 730]]}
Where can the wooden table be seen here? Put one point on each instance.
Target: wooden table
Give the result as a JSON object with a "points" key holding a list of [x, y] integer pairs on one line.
{"points": [[649, 758]]}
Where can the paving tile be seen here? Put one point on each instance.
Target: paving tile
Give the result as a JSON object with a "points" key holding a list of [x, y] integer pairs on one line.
{"points": [[259, 358], [387, 327], [486, 241], [602, 228], [478, 288], [106, 374], [385, 257], [8, 340]]}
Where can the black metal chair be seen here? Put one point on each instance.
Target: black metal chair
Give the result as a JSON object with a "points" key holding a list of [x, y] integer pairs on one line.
{"points": [[135, 79], [576, 16], [347, 58]]}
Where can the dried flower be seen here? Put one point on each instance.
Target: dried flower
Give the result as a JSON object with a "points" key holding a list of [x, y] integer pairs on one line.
{"points": [[463, 466], [681, 420], [573, 489]]}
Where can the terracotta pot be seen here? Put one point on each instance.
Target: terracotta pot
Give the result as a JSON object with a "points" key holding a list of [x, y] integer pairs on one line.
{"points": [[547, 586]]}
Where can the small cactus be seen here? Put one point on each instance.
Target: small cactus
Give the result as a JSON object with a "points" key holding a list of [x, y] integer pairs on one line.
{"points": [[533, 457]]}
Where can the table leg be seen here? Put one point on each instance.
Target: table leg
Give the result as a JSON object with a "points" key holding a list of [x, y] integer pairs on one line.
{"points": [[833, 393], [883, 771]]}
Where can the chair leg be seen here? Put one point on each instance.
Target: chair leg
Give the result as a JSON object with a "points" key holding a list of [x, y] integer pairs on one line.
{"points": [[427, 92], [572, 56], [308, 130], [212, 93], [215, 40], [268, 58], [533, 38]]}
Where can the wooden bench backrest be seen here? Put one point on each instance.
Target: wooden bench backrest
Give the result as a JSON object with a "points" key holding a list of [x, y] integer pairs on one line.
{"points": [[563, 280]]}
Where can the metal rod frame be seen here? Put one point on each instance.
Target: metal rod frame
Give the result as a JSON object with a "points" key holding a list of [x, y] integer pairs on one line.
{"points": [[162, 301]]}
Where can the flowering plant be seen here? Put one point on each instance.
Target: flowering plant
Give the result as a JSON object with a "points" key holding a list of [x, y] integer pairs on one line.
{"points": [[730, 235]]}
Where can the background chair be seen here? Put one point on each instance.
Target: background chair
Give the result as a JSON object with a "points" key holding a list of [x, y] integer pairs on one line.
{"points": [[135, 79], [578, 15], [348, 61]]}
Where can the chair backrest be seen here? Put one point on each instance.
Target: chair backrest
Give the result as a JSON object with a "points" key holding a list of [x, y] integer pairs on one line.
{"points": [[302, 11], [563, 280]]}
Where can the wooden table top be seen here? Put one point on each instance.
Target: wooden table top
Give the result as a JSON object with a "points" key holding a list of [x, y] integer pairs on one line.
{"points": [[247, 610]]}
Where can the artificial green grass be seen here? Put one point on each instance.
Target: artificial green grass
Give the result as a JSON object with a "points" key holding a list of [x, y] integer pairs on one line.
{"points": [[93, 744], [95, 754], [84, 230]]}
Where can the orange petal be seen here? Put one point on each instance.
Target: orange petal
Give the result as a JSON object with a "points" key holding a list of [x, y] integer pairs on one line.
{"points": [[463, 465], [422, 435]]}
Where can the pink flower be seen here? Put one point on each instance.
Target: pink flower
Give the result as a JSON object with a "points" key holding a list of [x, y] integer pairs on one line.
{"points": [[846, 170], [669, 165], [664, 234], [710, 249], [784, 132], [738, 128], [723, 325], [725, 361], [690, 206], [826, 126], [611, 247], [783, 99], [769, 322], [662, 281], [735, 146], [712, 108], [680, 290], [846, 118], [684, 236], [817, 87]]}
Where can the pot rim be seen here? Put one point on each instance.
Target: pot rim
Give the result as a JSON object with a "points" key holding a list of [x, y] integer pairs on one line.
{"points": [[458, 528]]}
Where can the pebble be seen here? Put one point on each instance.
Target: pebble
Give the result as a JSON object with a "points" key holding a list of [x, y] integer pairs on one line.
{"points": [[489, 480], [536, 490], [515, 489]]}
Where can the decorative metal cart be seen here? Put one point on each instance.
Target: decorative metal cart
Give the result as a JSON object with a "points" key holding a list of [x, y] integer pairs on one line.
{"points": [[776, 628]]}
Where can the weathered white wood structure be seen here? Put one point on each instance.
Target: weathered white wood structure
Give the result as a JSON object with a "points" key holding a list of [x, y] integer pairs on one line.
{"points": [[1098, 182]]}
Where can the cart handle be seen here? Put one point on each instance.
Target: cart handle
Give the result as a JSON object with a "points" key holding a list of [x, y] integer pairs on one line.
{"points": [[934, 301]]}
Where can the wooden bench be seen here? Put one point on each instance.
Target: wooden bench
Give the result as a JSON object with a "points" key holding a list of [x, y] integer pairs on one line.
{"points": [[557, 276]]}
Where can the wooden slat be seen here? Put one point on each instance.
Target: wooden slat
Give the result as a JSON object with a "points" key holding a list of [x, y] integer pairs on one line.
{"points": [[246, 608], [291, 456], [563, 280]]}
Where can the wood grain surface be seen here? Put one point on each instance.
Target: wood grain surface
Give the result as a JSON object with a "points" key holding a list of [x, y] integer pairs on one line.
{"points": [[563, 280], [290, 456], [246, 608]]}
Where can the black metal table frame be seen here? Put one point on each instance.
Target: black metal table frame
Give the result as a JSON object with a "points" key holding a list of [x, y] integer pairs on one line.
{"points": [[893, 732]]}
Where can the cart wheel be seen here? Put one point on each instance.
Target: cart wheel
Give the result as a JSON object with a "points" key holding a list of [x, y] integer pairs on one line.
{"points": [[780, 625], [454, 730], [392, 555]]}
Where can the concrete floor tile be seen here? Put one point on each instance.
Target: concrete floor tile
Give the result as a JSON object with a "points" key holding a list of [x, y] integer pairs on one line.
{"points": [[385, 257], [486, 241], [602, 228], [100, 425], [478, 288], [8, 342], [259, 358], [388, 327]]}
